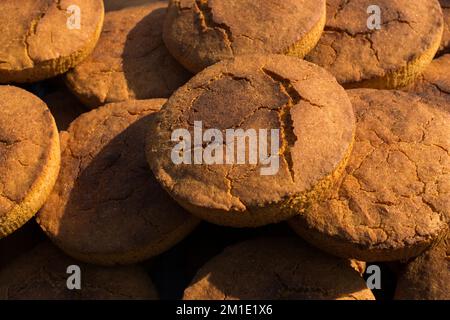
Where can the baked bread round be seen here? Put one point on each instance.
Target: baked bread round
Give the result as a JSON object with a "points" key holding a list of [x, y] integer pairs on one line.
{"points": [[372, 58], [277, 269], [428, 276], [42, 274], [279, 94], [130, 60], [44, 38], [199, 33], [394, 201], [30, 157], [106, 207]]}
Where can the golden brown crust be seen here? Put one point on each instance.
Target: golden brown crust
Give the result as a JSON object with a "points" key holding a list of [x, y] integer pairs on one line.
{"points": [[106, 207], [30, 156], [394, 201], [37, 42], [303, 101], [428, 276], [360, 57], [121, 67], [277, 268], [42, 274], [200, 33]]}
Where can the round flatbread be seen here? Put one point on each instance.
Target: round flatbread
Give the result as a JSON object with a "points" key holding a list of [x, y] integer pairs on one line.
{"points": [[106, 207], [44, 38], [130, 61], [44, 272], [277, 269], [359, 56], [394, 201], [199, 33], [293, 108]]}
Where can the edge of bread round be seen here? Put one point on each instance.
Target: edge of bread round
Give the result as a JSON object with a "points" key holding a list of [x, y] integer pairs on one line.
{"points": [[41, 186]]}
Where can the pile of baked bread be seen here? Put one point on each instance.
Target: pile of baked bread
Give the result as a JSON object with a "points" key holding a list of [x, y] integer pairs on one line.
{"points": [[351, 167]]}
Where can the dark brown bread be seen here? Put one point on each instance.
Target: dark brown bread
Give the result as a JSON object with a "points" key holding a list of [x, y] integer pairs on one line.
{"points": [[106, 207], [41, 274], [428, 276], [277, 268]]}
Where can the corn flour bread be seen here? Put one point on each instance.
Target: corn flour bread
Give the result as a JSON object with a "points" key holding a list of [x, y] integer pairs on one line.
{"points": [[106, 207], [390, 57], [30, 157], [267, 94], [394, 201], [44, 38], [199, 33], [41, 274], [277, 268], [130, 60]]}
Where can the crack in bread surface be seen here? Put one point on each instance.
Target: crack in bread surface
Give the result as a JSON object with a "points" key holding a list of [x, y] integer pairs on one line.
{"points": [[372, 53], [395, 192]]}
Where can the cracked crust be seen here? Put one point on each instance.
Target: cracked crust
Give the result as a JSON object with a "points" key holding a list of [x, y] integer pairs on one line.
{"points": [[106, 207], [29, 161], [121, 68], [64, 107], [428, 276], [394, 201], [303, 101], [36, 42], [42, 274], [359, 57], [434, 83], [199, 33], [445, 44], [277, 268]]}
